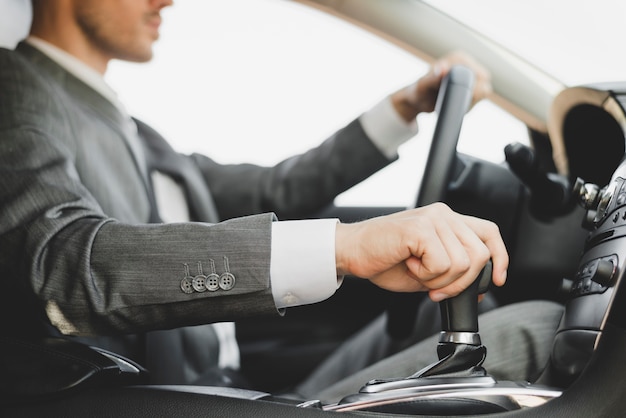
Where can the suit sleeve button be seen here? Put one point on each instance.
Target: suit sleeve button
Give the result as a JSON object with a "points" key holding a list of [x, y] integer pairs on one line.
{"points": [[186, 285], [227, 281], [212, 282], [198, 283]]}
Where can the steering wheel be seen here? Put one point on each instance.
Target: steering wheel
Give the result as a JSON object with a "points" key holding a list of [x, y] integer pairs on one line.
{"points": [[453, 102]]}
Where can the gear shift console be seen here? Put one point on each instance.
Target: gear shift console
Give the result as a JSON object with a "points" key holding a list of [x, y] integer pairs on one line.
{"points": [[457, 379], [460, 350]]}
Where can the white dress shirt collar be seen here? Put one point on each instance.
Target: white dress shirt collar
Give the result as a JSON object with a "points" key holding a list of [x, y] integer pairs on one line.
{"points": [[78, 69]]}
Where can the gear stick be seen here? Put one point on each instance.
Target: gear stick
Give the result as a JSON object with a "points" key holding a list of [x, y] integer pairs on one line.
{"points": [[460, 350], [456, 384]]}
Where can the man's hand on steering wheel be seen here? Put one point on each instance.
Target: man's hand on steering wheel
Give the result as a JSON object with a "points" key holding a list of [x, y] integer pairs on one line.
{"points": [[421, 96]]}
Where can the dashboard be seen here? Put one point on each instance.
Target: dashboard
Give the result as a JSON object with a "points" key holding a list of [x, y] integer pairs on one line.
{"points": [[587, 135], [586, 126]]}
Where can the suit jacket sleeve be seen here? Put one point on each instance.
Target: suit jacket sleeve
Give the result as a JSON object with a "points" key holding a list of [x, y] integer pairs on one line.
{"points": [[61, 254], [299, 186]]}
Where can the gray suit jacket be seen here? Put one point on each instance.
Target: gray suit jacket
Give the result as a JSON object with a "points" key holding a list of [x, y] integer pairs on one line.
{"points": [[76, 245]]}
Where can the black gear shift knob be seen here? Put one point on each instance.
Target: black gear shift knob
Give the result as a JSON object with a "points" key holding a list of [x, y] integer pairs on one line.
{"points": [[459, 315], [460, 350]]}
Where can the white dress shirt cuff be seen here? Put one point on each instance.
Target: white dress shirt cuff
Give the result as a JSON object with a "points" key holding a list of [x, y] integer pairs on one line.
{"points": [[302, 267], [386, 128]]}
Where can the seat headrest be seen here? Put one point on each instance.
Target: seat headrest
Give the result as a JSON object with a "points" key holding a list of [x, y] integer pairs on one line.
{"points": [[15, 18]]}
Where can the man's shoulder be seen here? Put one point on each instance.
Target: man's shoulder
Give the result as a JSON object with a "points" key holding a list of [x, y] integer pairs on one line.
{"points": [[17, 71], [12, 62], [27, 95]]}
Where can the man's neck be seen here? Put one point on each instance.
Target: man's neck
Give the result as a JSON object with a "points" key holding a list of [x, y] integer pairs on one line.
{"points": [[58, 30], [76, 67], [96, 61]]}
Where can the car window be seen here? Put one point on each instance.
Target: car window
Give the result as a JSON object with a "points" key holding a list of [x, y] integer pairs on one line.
{"points": [[587, 35], [258, 81]]}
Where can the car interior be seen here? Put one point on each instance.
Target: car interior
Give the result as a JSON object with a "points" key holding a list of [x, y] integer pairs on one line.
{"points": [[560, 204]]}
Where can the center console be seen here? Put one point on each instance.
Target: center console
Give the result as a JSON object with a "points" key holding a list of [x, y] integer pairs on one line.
{"points": [[457, 384]]}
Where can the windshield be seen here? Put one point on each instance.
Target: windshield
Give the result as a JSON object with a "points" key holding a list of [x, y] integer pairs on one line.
{"points": [[575, 41]]}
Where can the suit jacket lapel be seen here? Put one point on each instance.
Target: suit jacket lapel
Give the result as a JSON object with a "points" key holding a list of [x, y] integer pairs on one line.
{"points": [[162, 157], [99, 105], [148, 148]]}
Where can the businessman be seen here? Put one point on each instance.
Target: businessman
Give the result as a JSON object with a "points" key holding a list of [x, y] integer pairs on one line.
{"points": [[87, 250]]}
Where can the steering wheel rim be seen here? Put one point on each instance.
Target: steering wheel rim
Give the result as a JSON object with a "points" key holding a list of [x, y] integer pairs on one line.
{"points": [[453, 102]]}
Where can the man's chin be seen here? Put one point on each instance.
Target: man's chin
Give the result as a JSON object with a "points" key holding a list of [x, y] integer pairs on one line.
{"points": [[138, 56]]}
